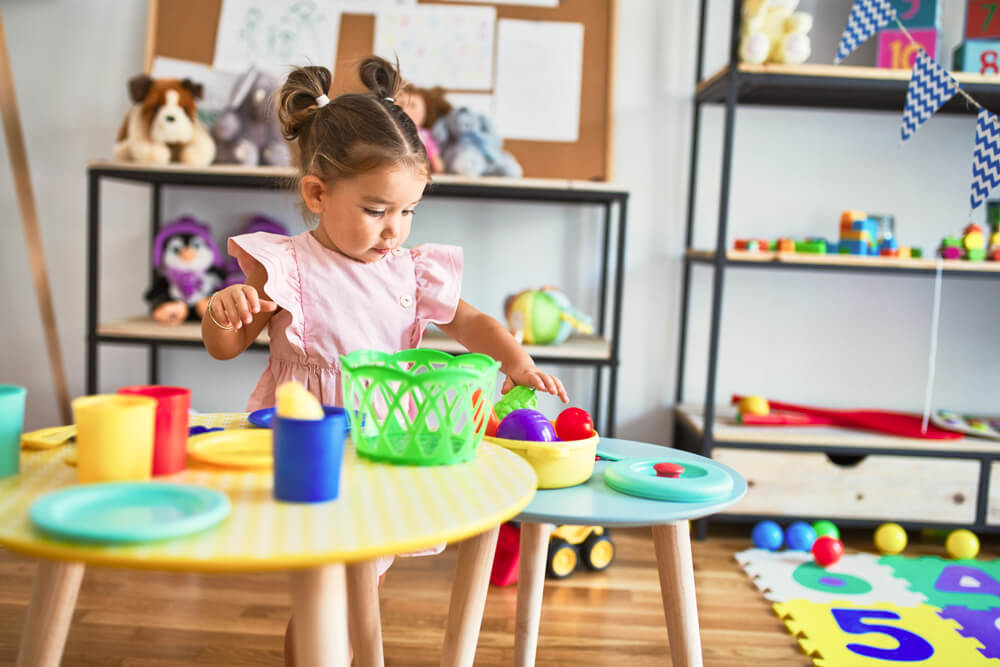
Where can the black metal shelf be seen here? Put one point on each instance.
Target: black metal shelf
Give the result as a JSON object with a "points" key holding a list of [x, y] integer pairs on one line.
{"points": [[834, 87], [600, 354]]}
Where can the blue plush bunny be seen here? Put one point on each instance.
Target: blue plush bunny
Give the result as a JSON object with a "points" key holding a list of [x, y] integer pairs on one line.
{"points": [[471, 146]]}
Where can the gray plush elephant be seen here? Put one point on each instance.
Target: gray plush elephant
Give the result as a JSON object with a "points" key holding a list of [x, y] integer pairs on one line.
{"points": [[247, 132], [471, 146]]}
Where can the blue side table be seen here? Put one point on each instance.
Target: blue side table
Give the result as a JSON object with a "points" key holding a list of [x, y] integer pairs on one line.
{"points": [[595, 503]]}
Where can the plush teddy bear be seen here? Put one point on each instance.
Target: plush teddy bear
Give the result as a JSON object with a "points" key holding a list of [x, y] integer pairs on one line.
{"points": [[247, 132], [470, 146], [774, 32], [162, 126]]}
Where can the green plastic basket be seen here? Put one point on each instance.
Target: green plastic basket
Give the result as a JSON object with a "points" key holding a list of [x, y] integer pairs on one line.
{"points": [[416, 406]]}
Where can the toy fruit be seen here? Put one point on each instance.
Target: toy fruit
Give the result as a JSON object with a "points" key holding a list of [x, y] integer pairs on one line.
{"points": [[574, 424], [517, 398], [479, 406], [962, 544], [293, 401], [890, 538], [827, 550], [824, 527], [754, 405], [544, 316], [767, 535], [800, 536], [525, 424]]}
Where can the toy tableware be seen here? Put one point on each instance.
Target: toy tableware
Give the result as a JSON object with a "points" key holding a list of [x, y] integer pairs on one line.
{"points": [[574, 424], [416, 406], [264, 418], [827, 550], [11, 422], [699, 482], [890, 538], [114, 439], [45, 438], [526, 424], [557, 464], [170, 433], [128, 511], [243, 448], [962, 544], [768, 535], [308, 454], [800, 536]]}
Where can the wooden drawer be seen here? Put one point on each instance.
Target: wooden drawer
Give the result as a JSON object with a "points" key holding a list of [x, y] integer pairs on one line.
{"points": [[894, 488]]}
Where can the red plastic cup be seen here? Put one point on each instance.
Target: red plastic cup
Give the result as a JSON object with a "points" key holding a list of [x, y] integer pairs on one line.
{"points": [[170, 432]]}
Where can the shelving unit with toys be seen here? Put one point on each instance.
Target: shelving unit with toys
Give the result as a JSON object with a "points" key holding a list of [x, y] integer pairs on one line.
{"points": [[599, 352], [850, 477]]}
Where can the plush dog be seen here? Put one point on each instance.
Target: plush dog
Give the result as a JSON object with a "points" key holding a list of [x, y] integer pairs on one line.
{"points": [[162, 126]]}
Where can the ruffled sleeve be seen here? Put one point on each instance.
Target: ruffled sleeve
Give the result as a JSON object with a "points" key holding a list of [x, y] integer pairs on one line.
{"points": [[439, 281], [276, 253]]}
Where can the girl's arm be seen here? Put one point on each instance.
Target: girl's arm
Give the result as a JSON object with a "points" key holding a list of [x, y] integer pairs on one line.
{"points": [[246, 307], [479, 332]]}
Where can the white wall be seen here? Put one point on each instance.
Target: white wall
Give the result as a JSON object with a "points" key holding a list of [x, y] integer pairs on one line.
{"points": [[823, 338]]}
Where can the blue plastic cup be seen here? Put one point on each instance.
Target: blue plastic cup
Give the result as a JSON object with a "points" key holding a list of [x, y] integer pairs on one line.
{"points": [[11, 423], [308, 454]]}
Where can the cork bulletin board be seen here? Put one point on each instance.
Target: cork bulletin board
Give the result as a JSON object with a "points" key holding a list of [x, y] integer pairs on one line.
{"points": [[186, 30]]}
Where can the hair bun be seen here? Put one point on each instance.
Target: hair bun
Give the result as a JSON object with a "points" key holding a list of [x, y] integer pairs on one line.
{"points": [[380, 76], [297, 100]]}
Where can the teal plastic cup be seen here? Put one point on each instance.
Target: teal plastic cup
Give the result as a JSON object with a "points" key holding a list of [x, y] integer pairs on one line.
{"points": [[11, 422]]}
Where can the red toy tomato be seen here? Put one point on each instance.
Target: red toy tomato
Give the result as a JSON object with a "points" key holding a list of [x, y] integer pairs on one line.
{"points": [[492, 422], [827, 550], [574, 424]]}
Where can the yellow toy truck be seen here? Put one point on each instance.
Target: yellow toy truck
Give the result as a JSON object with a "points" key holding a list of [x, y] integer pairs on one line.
{"points": [[568, 544]]}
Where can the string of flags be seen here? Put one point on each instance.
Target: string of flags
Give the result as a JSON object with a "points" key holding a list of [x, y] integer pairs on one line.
{"points": [[931, 86]]}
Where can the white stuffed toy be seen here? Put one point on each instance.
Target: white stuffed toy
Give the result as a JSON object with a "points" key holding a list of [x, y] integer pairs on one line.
{"points": [[774, 32]]}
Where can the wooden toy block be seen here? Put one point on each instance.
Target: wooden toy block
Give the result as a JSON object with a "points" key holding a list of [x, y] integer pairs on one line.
{"points": [[741, 244], [995, 254], [848, 217], [918, 13], [904, 252], [857, 235], [849, 247], [974, 241], [916, 253], [982, 21], [895, 51], [995, 239], [979, 56], [786, 245], [888, 252], [951, 252], [975, 254], [811, 246]]}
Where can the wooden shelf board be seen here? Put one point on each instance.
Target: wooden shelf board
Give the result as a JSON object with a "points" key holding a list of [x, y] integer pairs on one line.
{"points": [[807, 259], [582, 348], [832, 438]]}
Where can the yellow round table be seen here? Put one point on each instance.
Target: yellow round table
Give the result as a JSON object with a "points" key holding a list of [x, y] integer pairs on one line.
{"points": [[328, 548]]}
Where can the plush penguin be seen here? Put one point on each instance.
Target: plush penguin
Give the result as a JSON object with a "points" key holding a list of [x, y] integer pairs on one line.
{"points": [[189, 270]]}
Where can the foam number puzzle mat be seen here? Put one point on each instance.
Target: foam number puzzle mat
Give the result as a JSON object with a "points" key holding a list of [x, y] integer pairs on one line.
{"points": [[867, 610]]}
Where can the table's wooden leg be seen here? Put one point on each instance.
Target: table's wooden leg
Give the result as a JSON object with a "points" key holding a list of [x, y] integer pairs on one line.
{"points": [[364, 624], [319, 607], [673, 555], [468, 598], [53, 597], [530, 586]]}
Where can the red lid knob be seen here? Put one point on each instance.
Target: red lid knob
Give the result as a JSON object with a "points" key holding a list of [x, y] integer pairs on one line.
{"points": [[665, 469]]}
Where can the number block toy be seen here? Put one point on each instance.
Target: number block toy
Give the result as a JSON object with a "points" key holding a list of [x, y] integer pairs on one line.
{"points": [[982, 20], [979, 56], [918, 13], [895, 51]]}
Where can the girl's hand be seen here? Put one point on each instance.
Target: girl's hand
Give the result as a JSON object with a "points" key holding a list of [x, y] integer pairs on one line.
{"points": [[532, 377], [237, 304]]}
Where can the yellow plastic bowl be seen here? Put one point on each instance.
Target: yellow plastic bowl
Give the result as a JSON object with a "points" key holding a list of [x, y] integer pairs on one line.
{"points": [[557, 464]]}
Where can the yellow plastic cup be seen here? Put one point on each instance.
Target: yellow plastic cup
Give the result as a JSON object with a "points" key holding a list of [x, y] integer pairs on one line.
{"points": [[114, 437]]}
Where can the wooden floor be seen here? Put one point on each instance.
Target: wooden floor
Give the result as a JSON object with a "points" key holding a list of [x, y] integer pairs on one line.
{"points": [[147, 619]]}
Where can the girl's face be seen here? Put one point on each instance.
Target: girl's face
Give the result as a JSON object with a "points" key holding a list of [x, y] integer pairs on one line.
{"points": [[366, 216]]}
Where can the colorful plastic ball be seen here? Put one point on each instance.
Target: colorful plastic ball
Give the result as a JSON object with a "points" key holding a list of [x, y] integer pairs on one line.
{"points": [[574, 424], [827, 550], [800, 536], [962, 544], [526, 424], [824, 527], [754, 405], [767, 535], [890, 538]]}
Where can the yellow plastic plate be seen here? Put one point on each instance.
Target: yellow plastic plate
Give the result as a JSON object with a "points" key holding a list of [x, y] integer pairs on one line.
{"points": [[238, 448], [46, 438]]}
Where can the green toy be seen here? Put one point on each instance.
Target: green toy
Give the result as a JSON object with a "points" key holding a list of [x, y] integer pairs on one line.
{"points": [[544, 316], [824, 527], [517, 398]]}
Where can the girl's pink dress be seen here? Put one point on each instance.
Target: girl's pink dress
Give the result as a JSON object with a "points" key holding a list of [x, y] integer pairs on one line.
{"points": [[331, 305]]}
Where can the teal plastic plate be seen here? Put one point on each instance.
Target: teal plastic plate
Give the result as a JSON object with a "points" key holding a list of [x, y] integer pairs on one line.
{"points": [[697, 484], [128, 511]]}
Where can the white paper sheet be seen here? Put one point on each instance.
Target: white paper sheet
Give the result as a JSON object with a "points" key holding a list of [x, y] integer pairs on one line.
{"points": [[439, 45], [531, 3], [217, 85], [276, 34], [539, 75], [372, 6], [481, 102]]}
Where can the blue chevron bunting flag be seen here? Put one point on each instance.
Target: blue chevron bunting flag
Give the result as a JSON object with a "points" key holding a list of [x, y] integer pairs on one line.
{"points": [[930, 87], [867, 17], [986, 158]]}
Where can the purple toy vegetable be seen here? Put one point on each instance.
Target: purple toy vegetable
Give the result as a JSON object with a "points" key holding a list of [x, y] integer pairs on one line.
{"points": [[526, 424]]}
